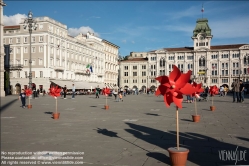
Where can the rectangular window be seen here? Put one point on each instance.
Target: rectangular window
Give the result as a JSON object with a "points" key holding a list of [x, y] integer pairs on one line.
{"points": [[41, 39], [33, 62], [26, 74], [18, 74], [41, 74], [33, 49], [134, 73], [125, 73], [25, 62], [134, 67], [143, 73], [40, 62], [206, 43], [41, 49], [25, 50], [40, 26], [18, 50], [25, 39], [18, 40], [10, 41], [196, 44], [33, 39], [126, 67]]}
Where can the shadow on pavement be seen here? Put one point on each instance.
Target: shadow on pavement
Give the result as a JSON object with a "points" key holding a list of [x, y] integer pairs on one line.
{"points": [[245, 139], [187, 120], [152, 114], [204, 150], [48, 112], [5, 106]]}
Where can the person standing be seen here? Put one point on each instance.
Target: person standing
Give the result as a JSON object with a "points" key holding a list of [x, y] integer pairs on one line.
{"points": [[221, 91], [235, 87], [241, 91], [115, 93], [225, 90], [65, 91], [22, 97], [120, 96], [73, 91], [97, 92]]}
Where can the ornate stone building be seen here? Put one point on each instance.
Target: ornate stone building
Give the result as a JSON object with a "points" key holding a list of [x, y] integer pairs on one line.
{"points": [[2, 92], [210, 65], [58, 57]]}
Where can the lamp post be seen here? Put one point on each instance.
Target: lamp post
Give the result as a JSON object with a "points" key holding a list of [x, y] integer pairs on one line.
{"points": [[30, 23]]}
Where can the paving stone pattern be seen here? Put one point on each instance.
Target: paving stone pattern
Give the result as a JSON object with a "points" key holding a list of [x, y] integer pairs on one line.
{"points": [[135, 132]]}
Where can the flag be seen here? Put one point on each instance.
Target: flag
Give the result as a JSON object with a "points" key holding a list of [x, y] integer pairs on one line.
{"points": [[88, 66], [214, 67], [202, 9], [91, 68]]}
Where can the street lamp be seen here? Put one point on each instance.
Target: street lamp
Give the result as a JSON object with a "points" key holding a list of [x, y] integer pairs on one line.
{"points": [[30, 23]]}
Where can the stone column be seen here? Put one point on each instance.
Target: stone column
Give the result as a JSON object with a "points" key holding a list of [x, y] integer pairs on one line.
{"points": [[2, 92]]}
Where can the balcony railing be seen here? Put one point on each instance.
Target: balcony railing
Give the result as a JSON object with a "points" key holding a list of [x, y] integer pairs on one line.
{"points": [[59, 68], [13, 67]]}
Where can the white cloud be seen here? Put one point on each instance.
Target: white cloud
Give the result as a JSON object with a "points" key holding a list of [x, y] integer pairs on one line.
{"points": [[13, 20], [75, 31], [123, 41], [230, 28], [133, 42]]}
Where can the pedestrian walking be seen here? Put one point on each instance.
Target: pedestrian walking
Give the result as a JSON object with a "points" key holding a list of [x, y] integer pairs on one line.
{"points": [[241, 91], [221, 91], [22, 97], [65, 92], [115, 93], [97, 92], [235, 85], [73, 91], [120, 97]]}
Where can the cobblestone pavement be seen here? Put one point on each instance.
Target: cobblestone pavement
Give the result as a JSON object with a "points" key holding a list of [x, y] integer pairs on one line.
{"points": [[135, 132]]}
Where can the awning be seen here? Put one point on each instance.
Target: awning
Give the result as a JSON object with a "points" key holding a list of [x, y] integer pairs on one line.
{"points": [[82, 85], [63, 83]]}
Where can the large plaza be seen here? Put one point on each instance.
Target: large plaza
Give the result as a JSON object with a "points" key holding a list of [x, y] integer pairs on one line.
{"points": [[135, 132]]}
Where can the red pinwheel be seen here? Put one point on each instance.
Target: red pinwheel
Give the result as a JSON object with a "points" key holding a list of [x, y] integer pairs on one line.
{"points": [[197, 89], [55, 91], [106, 91], [28, 92], [214, 90], [172, 87]]}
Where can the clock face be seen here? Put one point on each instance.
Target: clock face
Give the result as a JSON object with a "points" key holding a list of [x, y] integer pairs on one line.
{"points": [[201, 37]]}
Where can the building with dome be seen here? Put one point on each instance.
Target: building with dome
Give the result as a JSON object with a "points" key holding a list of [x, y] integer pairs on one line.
{"points": [[210, 64]]}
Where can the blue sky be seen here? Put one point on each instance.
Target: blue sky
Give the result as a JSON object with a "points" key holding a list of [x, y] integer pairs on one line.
{"points": [[140, 26]]}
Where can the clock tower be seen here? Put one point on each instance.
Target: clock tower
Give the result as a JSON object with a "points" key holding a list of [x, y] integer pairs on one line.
{"points": [[202, 34]]}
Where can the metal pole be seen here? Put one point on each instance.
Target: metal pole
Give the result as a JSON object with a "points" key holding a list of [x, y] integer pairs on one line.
{"points": [[30, 61]]}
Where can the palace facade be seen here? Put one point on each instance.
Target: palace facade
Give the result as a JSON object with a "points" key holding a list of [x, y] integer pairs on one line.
{"points": [[85, 60], [210, 65]]}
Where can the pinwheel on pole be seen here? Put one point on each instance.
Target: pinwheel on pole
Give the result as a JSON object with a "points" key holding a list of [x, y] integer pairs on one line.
{"points": [[55, 92], [214, 90], [28, 93], [197, 89], [106, 92], [172, 88]]}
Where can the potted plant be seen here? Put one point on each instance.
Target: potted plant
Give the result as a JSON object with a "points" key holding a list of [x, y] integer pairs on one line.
{"points": [[106, 92], [28, 92], [213, 91], [54, 91], [173, 87], [197, 88]]}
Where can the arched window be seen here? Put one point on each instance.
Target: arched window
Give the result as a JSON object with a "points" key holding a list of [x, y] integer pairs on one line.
{"points": [[202, 61]]}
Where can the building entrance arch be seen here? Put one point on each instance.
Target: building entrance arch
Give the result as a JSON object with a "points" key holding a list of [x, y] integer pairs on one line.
{"points": [[18, 88]]}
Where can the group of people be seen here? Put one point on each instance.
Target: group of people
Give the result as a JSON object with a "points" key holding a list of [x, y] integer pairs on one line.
{"points": [[238, 89]]}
